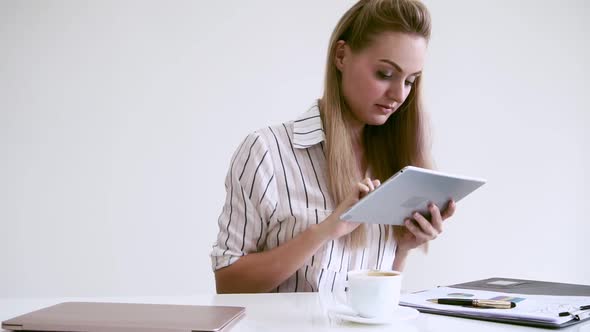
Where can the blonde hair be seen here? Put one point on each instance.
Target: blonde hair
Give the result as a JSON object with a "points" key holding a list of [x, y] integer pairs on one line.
{"points": [[402, 140]]}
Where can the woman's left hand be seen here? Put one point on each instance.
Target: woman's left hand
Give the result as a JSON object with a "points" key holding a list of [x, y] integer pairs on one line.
{"points": [[418, 230]]}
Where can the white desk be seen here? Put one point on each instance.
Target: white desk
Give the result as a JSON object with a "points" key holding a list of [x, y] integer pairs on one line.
{"points": [[286, 312]]}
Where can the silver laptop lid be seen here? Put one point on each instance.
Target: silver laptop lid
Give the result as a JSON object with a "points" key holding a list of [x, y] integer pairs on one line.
{"points": [[125, 317]]}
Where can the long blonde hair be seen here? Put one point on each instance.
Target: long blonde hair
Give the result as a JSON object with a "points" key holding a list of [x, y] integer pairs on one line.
{"points": [[402, 140]]}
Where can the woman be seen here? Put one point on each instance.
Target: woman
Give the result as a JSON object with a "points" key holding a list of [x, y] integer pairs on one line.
{"points": [[280, 228]]}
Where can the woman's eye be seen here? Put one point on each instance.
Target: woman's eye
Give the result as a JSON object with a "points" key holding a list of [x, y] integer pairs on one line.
{"points": [[410, 83], [384, 75]]}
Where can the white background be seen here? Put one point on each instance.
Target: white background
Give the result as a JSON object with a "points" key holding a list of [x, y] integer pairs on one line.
{"points": [[118, 119]]}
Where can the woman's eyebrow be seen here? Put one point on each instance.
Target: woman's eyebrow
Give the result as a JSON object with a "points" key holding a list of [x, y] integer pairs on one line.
{"points": [[396, 66]]}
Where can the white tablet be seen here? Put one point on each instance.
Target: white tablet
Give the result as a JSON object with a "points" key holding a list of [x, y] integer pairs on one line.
{"points": [[410, 190]]}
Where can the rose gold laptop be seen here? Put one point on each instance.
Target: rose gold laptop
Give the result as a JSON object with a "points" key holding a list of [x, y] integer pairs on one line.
{"points": [[126, 317]]}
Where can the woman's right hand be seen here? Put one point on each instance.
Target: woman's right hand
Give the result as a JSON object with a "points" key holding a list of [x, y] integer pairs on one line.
{"points": [[333, 225]]}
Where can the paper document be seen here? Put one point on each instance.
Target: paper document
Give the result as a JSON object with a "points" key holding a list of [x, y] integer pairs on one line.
{"points": [[538, 308]]}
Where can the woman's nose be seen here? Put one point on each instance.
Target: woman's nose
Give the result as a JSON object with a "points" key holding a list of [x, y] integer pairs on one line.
{"points": [[396, 92]]}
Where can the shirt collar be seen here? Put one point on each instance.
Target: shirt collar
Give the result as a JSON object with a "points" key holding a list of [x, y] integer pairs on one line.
{"points": [[308, 129]]}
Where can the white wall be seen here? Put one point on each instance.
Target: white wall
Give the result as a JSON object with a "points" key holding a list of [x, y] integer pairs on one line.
{"points": [[508, 93], [118, 119]]}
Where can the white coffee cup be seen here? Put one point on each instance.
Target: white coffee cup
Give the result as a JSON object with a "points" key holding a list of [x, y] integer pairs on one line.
{"points": [[373, 293]]}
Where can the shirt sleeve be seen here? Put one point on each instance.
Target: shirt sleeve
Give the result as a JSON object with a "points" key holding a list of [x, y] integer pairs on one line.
{"points": [[249, 205]]}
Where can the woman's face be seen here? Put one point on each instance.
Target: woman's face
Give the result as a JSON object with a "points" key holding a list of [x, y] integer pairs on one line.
{"points": [[377, 79]]}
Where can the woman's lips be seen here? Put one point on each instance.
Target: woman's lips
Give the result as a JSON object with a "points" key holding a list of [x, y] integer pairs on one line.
{"points": [[385, 109]]}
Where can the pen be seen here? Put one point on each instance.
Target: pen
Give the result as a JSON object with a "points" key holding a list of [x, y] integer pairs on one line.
{"points": [[495, 304]]}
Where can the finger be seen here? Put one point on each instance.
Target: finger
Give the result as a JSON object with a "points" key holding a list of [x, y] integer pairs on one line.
{"points": [[363, 189], [376, 183], [450, 210], [425, 225], [416, 231], [436, 219], [369, 183]]}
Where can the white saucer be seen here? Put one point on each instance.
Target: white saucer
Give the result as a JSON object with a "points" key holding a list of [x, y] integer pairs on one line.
{"points": [[399, 314]]}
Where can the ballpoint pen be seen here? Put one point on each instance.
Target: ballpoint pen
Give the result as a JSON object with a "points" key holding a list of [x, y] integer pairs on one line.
{"points": [[494, 304]]}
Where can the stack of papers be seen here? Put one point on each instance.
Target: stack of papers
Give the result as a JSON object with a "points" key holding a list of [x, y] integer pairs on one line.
{"points": [[542, 309]]}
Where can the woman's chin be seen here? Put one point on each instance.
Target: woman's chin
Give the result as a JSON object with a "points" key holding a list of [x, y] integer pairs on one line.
{"points": [[377, 120]]}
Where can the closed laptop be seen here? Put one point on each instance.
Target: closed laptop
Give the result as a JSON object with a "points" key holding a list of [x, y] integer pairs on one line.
{"points": [[126, 317]]}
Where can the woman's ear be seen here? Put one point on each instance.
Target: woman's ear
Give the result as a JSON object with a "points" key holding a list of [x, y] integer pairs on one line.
{"points": [[340, 54]]}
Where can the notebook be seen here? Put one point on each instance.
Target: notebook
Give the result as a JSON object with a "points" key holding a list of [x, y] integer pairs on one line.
{"points": [[126, 317], [538, 303]]}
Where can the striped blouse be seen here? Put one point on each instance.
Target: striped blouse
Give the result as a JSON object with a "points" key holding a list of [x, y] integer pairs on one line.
{"points": [[276, 187]]}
